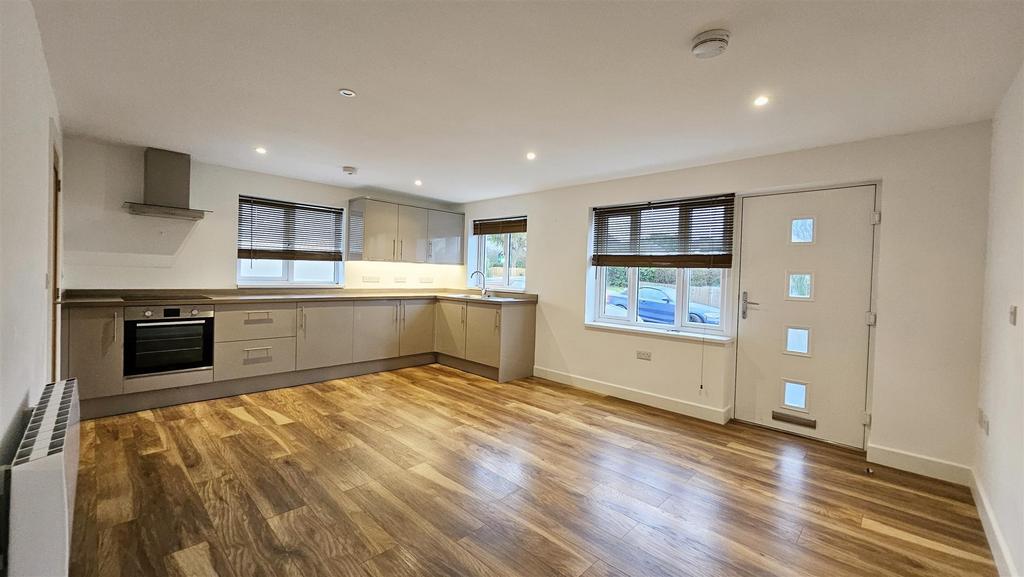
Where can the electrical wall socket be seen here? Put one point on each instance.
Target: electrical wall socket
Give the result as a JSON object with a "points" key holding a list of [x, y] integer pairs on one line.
{"points": [[371, 279], [643, 355], [983, 420], [426, 280], [399, 279]]}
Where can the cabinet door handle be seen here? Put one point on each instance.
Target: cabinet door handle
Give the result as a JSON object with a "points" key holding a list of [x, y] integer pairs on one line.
{"points": [[394, 249], [430, 249], [249, 315], [463, 314], [254, 349], [114, 336], [401, 249], [497, 319]]}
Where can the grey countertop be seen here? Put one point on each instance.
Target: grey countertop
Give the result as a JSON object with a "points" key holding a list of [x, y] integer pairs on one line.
{"points": [[94, 298]]}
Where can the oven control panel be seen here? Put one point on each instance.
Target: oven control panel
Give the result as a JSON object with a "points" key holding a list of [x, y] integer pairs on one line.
{"points": [[167, 312]]}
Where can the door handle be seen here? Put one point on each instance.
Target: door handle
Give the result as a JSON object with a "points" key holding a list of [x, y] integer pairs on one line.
{"points": [[744, 302]]}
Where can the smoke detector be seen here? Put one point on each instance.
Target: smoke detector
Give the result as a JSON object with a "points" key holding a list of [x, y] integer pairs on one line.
{"points": [[710, 43], [349, 170]]}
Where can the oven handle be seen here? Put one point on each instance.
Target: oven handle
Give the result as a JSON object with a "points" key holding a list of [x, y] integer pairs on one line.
{"points": [[169, 323]]}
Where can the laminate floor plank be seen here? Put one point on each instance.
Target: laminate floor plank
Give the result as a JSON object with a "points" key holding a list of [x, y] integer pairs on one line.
{"points": [[430, 471]]}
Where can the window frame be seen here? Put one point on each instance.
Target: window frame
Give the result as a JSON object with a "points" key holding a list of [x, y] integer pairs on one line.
{"points": [[288, 278], [481, 260], [682, 305]]}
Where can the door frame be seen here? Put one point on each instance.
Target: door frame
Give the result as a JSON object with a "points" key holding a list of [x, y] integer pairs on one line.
{"points": [[735, 292], [54, 268]]}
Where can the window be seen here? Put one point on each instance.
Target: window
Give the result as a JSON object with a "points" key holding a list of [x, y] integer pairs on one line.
{"points": [[666, 298], [288, 243], [798, 340], [662, 264], [501, 252], [801, 231], [800, 286]]}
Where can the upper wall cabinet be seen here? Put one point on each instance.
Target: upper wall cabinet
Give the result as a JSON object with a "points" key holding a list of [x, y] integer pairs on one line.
{"points": [[384, 231], [445, 233]]}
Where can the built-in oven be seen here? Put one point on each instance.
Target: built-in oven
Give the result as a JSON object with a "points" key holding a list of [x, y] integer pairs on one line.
{"points": [[167, 339]]}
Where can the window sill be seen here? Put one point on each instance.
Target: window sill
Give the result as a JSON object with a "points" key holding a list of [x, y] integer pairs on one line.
{"points": [[654, 332], [288, 285]]}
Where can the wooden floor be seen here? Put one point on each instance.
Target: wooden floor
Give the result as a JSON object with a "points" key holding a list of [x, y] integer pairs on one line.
{"points": [[431, 471]]}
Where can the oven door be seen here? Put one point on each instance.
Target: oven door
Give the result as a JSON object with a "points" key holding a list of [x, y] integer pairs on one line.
{"points": [[162, 346]]}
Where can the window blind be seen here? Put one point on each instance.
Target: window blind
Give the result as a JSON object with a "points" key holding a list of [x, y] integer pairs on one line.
{"points": [[499, 225], [683, 233], [275, 229]]}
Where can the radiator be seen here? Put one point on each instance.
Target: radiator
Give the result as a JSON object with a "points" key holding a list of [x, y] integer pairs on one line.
{"points": [[42, 486]]}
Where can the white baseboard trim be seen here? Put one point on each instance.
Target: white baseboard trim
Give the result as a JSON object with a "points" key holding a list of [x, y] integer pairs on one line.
{"points": [[920, 464], [996, 542], [696, 410]]}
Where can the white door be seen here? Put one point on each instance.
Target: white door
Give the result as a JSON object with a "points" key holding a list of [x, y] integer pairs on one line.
{"points": [[802, 349]]}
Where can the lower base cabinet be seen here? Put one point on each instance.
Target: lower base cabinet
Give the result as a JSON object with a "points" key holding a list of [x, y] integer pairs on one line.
{"points": [[239, 359], [483, 334], [96, 350], [324, 334], [450, 328], [375, 326], [416, 335]]}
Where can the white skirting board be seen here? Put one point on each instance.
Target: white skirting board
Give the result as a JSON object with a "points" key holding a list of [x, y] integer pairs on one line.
{"points": [[920, 464], [696, 410], [996, 542]]}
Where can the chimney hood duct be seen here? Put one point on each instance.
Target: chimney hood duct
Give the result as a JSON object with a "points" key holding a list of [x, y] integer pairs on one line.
{"points": [[166, 187]]}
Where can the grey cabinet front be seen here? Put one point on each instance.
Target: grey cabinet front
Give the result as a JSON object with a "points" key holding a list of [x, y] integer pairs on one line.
{"points": [[380, 232], [450, 328], [417, 327], [445, 234], [483, 334], [96, 350], [412, 234], [324, 336], [375, 325]]}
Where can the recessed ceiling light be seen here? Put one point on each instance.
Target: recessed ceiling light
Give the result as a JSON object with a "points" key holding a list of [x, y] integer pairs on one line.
{"points": [[531, 155], [346, 92], [260, 150], [761, 100], [418, 182]]}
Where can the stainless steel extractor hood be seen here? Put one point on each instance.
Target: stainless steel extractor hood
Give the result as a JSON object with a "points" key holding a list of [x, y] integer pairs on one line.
{"points": [[166, 186]]}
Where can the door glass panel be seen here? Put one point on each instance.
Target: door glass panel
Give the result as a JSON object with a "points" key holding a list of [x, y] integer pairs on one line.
{"points": [[800, 285], [656, 296], [798, 340], [616, 298], [801, 230], [794, 395]]}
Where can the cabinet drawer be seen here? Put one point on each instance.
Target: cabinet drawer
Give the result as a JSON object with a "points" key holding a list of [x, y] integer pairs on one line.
{"points": [[239, 359], [247, 322]]}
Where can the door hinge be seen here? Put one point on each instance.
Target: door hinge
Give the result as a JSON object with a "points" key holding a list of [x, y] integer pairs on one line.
{"points": [[865, 418], [876, 217], [870, 319]]}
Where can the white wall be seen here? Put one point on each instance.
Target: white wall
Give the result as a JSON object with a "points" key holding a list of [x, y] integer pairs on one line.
{"points": [[999, 466], [930, 270], [28, 110], [107, 248]]}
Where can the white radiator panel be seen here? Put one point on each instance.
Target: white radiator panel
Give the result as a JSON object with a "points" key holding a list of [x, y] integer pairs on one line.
{"points": [[43, 477]]}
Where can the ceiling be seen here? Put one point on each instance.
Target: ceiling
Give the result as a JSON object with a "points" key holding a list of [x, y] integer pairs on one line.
{"points": [[456, 93]]}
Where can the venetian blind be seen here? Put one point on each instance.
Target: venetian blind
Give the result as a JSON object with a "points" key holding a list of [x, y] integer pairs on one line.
{"points": [[499, 225], [276, 229], [683, 233]]}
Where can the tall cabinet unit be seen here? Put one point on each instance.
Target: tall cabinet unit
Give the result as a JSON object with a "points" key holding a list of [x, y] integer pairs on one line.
{"points": [[385, 231]]}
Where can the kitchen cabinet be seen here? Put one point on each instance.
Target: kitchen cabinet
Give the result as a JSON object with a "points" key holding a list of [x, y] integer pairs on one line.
{"points": [[240, 359], [376, 324], [450, 328], [483, 333], [445, 234], [417, 327], [240, 322], [412, 234], [96, 350], [324, 335], [385, 231], [372, 230]]}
